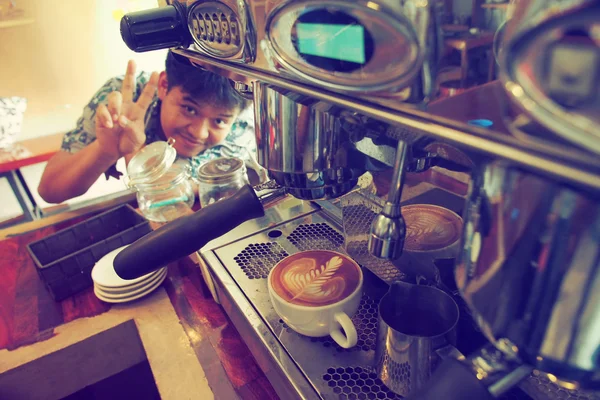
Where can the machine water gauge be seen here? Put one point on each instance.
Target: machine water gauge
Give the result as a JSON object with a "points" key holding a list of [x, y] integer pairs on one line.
{"points": [[350, 46]]}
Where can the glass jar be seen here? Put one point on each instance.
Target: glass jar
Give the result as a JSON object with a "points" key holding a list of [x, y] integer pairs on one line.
{"points": [[221, 178], [164, 187]]}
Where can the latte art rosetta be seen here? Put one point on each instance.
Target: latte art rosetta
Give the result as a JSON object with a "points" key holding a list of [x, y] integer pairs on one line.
{"points": [[427, 228], [315, 281], [430, 227], [314, 284]]}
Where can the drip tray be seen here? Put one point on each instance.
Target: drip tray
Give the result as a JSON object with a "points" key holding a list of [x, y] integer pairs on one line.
{"points": [[298, 366], [333, 372]]}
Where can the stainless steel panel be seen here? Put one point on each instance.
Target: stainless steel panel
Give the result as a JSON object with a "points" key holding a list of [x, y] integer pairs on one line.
{"points": [[246, 262], [564, 164], [300, 141], [528, 268], [268, 352], [544, 38], [398, 26], [298, 366]]}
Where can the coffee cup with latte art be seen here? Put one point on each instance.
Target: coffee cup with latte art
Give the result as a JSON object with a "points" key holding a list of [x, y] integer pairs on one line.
{"points": [[431, 230], [432, 233], [316, 292]]}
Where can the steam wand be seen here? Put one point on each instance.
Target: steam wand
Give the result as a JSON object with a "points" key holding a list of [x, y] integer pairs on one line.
{"points": [[388, 229]]}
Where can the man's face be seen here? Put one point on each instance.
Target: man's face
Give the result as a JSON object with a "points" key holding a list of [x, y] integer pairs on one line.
{"points": [[195, 126]]}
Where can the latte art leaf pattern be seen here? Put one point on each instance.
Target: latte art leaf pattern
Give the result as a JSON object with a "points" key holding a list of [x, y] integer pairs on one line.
{"points": [[315, 284], [315, 278]]}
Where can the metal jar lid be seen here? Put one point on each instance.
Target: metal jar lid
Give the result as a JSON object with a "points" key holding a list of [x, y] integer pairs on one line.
{"points": [[221, 170]]}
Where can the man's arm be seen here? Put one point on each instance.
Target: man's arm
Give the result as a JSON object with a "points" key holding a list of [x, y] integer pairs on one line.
{"points": [[70, 175], [73, 170], [104, 134]]}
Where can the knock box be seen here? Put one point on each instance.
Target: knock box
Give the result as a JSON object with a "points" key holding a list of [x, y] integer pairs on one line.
{"points": [[64, 260]]}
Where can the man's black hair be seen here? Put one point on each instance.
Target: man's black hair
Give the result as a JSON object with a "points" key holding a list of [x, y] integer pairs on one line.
{"points": [[202, 84]]}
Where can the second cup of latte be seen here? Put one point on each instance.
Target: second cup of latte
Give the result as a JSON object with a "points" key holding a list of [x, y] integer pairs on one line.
{"points": [[316, 292], [431, 231]]}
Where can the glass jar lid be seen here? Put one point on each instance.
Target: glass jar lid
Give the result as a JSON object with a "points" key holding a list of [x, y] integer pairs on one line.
{"points": [[180, 171], [221, 170], [151, 162]]}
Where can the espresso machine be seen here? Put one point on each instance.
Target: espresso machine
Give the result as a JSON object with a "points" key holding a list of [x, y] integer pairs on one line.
{"points": [[342, 93]]}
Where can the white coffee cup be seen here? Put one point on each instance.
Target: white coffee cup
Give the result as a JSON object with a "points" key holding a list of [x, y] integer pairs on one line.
{"points": [[318, 320]]}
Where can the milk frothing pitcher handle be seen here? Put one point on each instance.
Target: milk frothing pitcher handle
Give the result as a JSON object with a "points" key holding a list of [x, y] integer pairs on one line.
{"points": [[349, 337]]}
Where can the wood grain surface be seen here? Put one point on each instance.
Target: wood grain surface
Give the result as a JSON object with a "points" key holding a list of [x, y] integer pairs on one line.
{"points": [[29, 314], [214, 337], [27, 311]]}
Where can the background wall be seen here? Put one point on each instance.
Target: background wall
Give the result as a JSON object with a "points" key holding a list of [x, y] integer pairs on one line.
{"points": [[60, 60]]}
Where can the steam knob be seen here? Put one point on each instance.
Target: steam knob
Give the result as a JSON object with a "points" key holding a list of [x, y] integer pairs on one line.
{"points": [[157, 28]]}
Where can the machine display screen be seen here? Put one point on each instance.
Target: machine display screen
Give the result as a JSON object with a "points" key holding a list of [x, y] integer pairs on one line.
{"points": [[333, 41]]}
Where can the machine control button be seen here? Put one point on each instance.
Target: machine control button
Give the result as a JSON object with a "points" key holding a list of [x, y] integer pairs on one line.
{"points": [[225, 29], [209, 28], [217, 28], [235, 35], [202, 27]]}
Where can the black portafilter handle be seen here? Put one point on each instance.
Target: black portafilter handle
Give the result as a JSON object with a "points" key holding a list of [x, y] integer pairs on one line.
{"points": [[452, 380], [188, 234], [156, 28]]}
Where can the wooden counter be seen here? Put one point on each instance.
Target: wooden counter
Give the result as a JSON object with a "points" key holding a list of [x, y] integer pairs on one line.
{"points": [[32, 319]]}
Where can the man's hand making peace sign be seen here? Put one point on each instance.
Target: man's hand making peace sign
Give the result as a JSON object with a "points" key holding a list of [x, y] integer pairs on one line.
{"points": [[120, 123], [119, 131]]}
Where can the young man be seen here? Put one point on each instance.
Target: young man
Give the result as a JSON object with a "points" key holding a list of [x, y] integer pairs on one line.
{"points": [[198, 108]]}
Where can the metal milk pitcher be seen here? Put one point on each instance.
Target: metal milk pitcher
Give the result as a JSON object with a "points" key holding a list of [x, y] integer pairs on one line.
{"points": [[417, 326]]}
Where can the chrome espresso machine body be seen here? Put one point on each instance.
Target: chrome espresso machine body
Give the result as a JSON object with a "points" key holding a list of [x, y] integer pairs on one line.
{"points": [[343, 87]]}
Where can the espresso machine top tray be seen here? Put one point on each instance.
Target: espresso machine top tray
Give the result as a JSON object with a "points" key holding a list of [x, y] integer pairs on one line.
{"points": [[317, 368]]}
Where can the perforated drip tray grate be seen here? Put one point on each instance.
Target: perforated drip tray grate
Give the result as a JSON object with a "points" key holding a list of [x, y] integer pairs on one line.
{"points": [[357, 383], [316, 237], [257, 259], [365, 321], [356, 218], [358, 211]]}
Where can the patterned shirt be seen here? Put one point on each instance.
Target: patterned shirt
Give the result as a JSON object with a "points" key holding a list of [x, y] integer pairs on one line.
{"points": [[238, 143]]}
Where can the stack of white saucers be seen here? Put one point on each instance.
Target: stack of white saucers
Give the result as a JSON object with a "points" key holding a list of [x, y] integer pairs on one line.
{"points": [[111, 288]]}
